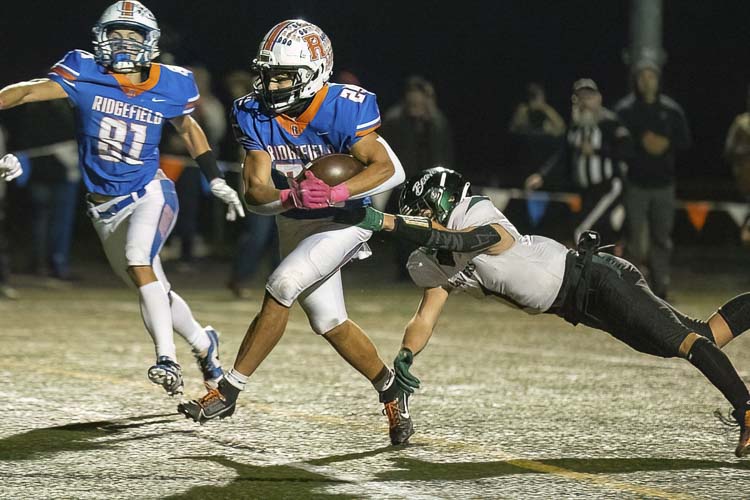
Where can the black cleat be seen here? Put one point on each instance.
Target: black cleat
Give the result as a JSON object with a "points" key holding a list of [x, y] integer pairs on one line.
{"points": [[219, 402], [400, 426]]}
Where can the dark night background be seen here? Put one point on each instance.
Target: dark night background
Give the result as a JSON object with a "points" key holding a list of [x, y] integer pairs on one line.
{"points": [[479, 55]]}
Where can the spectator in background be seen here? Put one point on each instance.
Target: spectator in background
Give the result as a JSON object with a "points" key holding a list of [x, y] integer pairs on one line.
{"points": [[536, 130], [45, 133], [257, 234], [420, 134], [737, 154], [659, 130], [417, 129], [737, 149], [597, 145], [211, 115]]}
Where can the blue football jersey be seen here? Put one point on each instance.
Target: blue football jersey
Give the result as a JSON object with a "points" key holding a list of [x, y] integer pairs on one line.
{"points": [[338, 116], [119, 123]]}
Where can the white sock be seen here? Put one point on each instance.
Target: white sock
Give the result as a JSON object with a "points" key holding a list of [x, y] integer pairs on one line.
{"points": [[236, 379], [385, 381], [158, 318], [186, 326]]}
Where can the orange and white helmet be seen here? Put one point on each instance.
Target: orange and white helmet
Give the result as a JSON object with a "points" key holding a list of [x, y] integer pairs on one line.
{"points": [[300, 50], [121, 55]]}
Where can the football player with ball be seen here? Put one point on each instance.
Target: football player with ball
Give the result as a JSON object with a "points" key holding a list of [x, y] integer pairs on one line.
{"points": [[294, 116]]}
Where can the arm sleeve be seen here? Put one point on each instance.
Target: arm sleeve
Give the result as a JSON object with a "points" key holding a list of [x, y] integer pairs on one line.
{"points": [[397, 178]]}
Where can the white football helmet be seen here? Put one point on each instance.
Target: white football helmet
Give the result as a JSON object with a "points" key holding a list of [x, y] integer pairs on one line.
{"points": [[300, 50], [121, 55]]}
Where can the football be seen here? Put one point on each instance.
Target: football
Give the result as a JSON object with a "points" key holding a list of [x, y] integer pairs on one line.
{"points": [[335, 168]]}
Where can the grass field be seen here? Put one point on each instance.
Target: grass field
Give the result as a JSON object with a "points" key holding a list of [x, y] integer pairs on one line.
{"points": [[511, 407]]}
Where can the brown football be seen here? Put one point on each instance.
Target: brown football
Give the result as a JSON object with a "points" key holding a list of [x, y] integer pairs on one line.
{"points": [[334, 168]]}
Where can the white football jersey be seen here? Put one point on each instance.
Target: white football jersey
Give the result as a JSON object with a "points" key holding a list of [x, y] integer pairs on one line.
{"points": [[528, 275]]}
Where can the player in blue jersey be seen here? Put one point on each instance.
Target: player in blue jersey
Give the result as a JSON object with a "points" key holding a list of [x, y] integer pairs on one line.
{"points": [[294, 116], [122, 101]]}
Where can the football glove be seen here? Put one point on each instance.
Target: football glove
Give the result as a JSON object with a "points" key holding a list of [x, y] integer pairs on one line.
{"points": [[221, 190], [10, 167], [405, 380]]}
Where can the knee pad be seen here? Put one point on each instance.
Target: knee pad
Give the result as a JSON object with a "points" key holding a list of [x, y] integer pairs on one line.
{"points": [[321, 326], [736, 313], [284, 288]]}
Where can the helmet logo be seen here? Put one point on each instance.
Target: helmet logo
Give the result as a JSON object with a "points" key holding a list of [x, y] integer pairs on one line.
{"points": [[127, 10], [315, 45], [418, 187]]}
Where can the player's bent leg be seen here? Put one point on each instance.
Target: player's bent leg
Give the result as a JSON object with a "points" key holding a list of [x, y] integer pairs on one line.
{"points": [[353, 344], [716, 367], [204, 341], [731, 320], [155, 309], [263, 334]]}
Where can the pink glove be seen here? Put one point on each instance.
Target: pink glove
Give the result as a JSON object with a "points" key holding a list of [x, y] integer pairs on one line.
{"points": [[290, 198], [338, 193], [317, 194], [314, 192]]}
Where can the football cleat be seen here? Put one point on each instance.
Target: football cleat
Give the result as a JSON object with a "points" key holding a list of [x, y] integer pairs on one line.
{"points": [[219, 402], [209, 364], [742, 416], [168, 374], [396, 408]]}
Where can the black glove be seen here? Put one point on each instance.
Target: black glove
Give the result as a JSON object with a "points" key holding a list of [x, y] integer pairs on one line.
{"points": [[405, 380]]}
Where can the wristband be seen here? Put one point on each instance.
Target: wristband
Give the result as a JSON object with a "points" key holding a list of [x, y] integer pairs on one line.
{"points": [[208, 165]]}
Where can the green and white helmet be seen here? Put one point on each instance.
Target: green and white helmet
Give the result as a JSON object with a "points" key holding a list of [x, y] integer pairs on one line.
{"points": [[437, 189]]}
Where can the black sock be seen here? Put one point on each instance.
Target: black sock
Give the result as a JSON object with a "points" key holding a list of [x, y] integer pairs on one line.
{"points": [[717, 368], [227, 390], [736, 313]]}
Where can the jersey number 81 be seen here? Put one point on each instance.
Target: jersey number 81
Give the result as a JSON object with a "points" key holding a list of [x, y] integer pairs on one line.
{"points": [[112, 136]]}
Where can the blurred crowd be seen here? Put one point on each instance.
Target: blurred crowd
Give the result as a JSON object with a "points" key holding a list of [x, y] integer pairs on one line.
{"points": [[621, 161]]}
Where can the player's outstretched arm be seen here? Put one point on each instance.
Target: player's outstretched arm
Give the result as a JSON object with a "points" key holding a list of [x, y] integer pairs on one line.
{"points": [[417, 334], [42, 89], [491, 239], [199, 149]]}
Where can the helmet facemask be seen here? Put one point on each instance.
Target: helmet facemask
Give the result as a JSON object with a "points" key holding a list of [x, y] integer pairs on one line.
{"points": [[286, 99]]}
